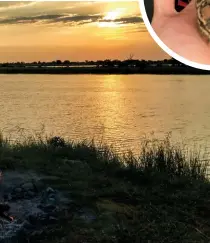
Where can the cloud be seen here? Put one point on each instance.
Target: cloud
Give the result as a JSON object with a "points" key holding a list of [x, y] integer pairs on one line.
{"points": [[126, 20], [50, 18], [5, 6], [27, 20], [67, 19], [78, 18]]}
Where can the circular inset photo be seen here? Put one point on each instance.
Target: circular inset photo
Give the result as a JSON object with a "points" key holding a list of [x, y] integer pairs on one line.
{"points": [[181, 28]]}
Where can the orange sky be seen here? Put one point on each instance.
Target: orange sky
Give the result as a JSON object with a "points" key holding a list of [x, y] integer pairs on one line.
{"points": [[33, 31]]}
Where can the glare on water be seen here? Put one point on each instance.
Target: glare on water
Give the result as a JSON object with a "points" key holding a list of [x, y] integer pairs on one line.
{"points": [[118, 109]]}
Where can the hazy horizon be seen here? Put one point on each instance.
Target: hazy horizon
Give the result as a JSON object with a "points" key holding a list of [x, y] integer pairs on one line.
{"points": [[75, 31]]}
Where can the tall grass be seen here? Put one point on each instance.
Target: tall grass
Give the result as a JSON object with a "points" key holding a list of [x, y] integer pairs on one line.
{"points": [[156, 157], [163, 156], [161, 195]]}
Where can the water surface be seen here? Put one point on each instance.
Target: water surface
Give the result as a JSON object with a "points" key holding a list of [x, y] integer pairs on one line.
{"points": [[119, 109]]}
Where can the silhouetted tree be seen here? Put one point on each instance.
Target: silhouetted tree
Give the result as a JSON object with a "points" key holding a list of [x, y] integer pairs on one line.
{"points": [[131, 56], [66, 62], [58, 62], [107, 63]]}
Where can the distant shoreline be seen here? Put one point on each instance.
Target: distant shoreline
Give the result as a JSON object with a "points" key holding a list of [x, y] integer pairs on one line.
{"points": [[104, 70]]}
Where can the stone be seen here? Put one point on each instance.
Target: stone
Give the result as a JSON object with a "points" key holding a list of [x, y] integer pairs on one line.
{"points": [[18, 190], [16, 196], [8, 197], [27, 225], [39, 185], [87, 215], [28, 186], [32, 219], [52, 197], [49, 207], [24, 194], [31, 194], [49, 196], [53, 219], [35, 219], [52, 201], [50, 190], [88, 218], [37, 233]]}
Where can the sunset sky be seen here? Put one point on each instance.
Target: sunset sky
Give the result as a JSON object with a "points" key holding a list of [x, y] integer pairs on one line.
{"points": [[76, 31]]}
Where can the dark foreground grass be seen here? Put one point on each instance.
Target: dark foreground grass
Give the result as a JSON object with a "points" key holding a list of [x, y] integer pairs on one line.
{"points": [[161, 196]]}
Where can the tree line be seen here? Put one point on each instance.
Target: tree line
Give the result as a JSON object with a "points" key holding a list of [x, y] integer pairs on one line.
{"points": [[130, 62]]}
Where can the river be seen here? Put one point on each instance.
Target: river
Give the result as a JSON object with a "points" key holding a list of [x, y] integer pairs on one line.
{"points": [[118, 109]]}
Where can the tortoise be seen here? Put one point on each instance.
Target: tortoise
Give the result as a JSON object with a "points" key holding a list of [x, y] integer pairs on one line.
{"points": [[203, 17]]}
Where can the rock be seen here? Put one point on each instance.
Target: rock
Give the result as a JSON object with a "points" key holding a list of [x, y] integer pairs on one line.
{"points": [[28, 186], [49, 208], [53, 219], [39, 185], [68, 161], [26, 196], [37, 233], [49, 196], [50, 190], [65, 201], [16, 196], [88, 218], [32, 219], [4, 207], [24, 193], [31, 194], [52, 201], [8, 197], [87, 215], [38, 218], [18, 190], [27, 225], [21, 235]]}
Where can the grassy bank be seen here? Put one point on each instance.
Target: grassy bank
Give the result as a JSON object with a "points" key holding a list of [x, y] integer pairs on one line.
{"points": [[102, 70], [161, 196]]}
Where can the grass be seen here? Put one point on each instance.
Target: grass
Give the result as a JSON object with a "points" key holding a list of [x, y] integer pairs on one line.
{"points": [[162, 195]]}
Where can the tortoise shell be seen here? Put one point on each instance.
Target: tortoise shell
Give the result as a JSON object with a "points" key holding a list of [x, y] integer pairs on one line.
{"points": [[203, 17]]}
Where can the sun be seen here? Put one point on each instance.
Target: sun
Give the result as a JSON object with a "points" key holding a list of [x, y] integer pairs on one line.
{"points": [[110, 17]]}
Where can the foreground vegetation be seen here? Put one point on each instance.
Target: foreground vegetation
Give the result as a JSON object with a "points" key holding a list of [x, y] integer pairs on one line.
{"points": [[160, 196]]}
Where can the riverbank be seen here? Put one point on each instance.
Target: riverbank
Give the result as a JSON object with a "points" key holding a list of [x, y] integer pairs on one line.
{"points": [[103, 70], [160, 196]]}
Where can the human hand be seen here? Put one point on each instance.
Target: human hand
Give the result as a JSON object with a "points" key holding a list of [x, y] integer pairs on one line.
{"points": [[179, 31]]}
